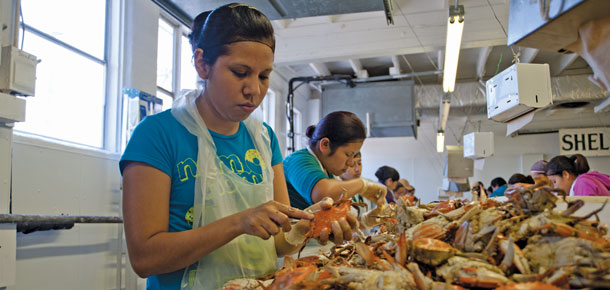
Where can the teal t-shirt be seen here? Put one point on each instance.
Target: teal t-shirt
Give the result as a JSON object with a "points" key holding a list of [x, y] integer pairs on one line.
{"points": [[302, 172], [499, 191], [162, 142]]}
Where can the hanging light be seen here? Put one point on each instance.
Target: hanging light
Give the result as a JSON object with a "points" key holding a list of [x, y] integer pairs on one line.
{"points": [[440, 141], [455, 26], [445, 105]]}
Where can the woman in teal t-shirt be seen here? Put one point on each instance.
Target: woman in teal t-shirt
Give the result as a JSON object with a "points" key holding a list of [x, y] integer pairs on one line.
{"points": [[204, 194], [311, 172]]}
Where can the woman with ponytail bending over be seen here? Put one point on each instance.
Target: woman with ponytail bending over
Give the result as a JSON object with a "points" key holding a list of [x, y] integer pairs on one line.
{"points": [[572, 175], [311, 172]]}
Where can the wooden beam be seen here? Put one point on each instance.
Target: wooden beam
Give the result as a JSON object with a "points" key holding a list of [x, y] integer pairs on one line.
{"points": [[483, 56], [562, 62], [320, 68], [528, 54], [358, 70]]}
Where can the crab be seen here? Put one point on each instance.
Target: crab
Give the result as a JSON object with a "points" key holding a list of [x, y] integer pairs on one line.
{"points": [[356, 278], [431, 251], [245, 284], [472, 273], [288, 277], [542, 252], [435, 227], [322, 220], [444, 207], [513, 255], [378, 215], [533, 199]]}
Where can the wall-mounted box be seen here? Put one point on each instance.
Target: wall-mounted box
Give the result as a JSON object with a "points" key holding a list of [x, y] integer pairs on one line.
{"points": [[17, 71], [527, 25], [519, 89], [12, 109], [478, 145], [456, 166]]}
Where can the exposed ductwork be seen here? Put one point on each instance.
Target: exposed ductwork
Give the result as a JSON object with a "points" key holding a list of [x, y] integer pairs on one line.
{"points": [[469, 98]]}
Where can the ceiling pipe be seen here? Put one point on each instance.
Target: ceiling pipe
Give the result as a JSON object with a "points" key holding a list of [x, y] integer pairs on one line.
{"points": [[394, 77]]}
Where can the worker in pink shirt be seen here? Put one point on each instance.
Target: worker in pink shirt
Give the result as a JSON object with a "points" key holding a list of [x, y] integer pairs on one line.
{"points": [[572, 175]]}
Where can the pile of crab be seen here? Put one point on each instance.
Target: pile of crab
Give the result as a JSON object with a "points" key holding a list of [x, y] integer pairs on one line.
{"points": [[524, 243]]}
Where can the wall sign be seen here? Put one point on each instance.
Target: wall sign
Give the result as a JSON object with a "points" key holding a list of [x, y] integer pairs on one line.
{"points": [[586, 141]]}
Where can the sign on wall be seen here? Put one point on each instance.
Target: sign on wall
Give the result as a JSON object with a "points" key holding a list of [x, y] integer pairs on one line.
{"points": [[586, 141]]}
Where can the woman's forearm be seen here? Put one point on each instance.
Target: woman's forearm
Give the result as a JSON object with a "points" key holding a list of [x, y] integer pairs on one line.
{"points": [[165, 252], [335, 189]]}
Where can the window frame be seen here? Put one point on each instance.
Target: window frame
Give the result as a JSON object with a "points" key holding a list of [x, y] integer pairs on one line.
{"points": [[179, 30], [298, 131], [111, 66]]}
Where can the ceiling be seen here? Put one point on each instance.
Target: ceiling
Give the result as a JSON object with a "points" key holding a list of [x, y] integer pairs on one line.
{"points": [[321, 37], [354, 37]]}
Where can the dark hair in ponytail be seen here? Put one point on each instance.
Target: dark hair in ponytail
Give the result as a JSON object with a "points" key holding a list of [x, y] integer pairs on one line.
{"points": [[520, 178], [576, 164], [339, 127], [196, 28], [232, 23], [385, 172]]}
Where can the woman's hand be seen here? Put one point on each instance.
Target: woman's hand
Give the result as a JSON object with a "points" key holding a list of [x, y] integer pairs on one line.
{"points": [[342, 229], [375, 192], [267, 219]]}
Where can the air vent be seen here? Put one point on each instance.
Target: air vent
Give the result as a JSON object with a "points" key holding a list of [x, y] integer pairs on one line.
{"points": [[572, 105]]}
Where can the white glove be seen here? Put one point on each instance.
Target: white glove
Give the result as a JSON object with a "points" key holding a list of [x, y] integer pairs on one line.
{"points": [[373, 191]]}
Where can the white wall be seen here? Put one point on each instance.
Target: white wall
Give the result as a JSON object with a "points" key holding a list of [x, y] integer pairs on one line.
{"points": [[53, 179]]}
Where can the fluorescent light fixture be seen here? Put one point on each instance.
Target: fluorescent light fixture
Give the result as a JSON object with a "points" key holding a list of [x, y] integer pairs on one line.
{"points": [[440, 141], [455, 27], [445, 105]]}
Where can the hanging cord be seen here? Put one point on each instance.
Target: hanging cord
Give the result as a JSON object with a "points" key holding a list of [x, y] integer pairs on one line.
{"points": [[516, 55], [418, 40], [22, 26]]}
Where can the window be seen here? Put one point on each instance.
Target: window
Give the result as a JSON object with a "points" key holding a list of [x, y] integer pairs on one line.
{"points": [[269, 109], [175, 70], [266, 110], [69, 39], [298, 133]]}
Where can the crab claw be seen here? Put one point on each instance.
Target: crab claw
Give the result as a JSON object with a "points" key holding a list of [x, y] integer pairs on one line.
{"points": [[514, 255]]}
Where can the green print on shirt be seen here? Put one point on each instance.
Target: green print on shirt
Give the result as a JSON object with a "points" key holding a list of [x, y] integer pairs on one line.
{"points": [[250, 172], [186, 168], [189, 216]]}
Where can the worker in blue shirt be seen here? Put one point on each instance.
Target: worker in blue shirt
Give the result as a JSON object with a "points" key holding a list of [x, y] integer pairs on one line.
{"points": [[498, 185]]}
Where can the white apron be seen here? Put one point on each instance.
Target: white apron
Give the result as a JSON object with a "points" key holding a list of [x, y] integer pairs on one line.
{"points": [[219, 192]]}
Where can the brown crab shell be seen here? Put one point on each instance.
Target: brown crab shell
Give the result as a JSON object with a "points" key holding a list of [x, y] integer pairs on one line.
{"points": [[432, 252], [322, 219]]}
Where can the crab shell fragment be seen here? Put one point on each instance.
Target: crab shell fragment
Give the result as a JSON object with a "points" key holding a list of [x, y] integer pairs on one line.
{"points": [[431, 251], [528, 286]]}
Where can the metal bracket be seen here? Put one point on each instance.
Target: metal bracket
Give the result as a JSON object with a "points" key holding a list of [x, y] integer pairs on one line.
{"points": [[456, 10]]}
